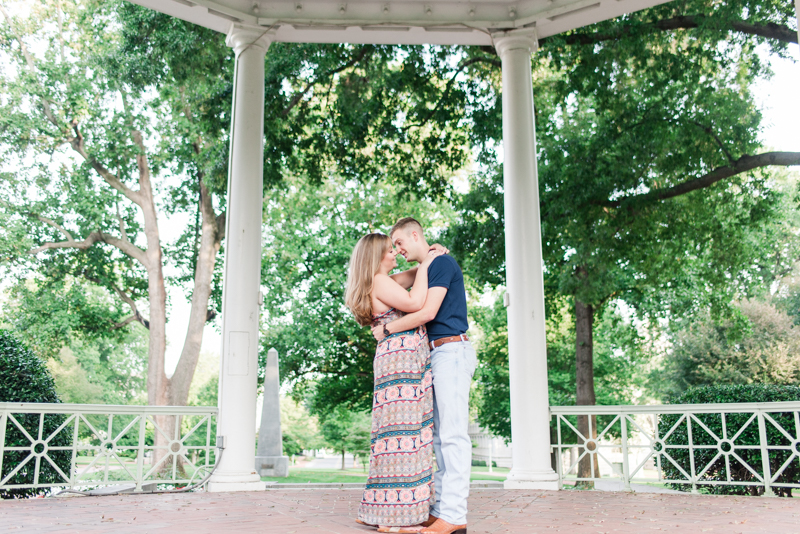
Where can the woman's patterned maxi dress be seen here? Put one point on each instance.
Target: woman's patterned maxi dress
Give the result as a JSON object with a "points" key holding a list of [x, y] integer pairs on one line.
{"points": [[399, 490]]}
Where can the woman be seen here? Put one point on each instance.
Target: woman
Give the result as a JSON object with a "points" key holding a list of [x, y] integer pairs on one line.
{"points": [[399, 490]]}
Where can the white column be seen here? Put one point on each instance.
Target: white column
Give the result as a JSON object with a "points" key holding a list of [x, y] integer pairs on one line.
{"points": [[527, 347], [240, 293], [797, 18]]}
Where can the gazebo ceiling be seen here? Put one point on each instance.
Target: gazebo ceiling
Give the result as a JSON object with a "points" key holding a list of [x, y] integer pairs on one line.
{"points": [[396, 22]]}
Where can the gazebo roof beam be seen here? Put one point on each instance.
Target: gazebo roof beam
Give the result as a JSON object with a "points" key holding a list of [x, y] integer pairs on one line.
{"points": [[396, 22]]}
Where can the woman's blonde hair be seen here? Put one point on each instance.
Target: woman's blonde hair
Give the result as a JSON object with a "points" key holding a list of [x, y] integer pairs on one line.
{"points": [[364, 264]]}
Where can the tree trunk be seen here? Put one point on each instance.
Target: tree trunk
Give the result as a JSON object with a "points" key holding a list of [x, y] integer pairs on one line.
{"points": [[180, 382], [584, 373], [174, 391], [157, 382], [342, 459], [204, 272]]}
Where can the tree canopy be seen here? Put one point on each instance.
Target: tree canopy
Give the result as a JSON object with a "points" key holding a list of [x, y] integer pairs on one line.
{"points": [[658, 200], [325, 354]]}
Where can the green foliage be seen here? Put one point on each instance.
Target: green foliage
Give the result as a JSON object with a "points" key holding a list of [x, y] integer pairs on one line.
{"points": [[72, 380], [116, 370], [97, 89], [49, 313], [789, 302], [300, 429], [735, 423], [765, 349], [105, 70], [208, 393], [363, 112], [72, 323], [621, 362], [310, 234], [621, 120], [617, 121], [25, 378]]}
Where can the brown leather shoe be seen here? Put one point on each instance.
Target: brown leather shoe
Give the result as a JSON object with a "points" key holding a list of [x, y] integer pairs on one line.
{"points": [[440, 526], [431, 520]]}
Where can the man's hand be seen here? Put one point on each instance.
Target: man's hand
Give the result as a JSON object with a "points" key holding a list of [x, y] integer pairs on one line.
{"points": [[377, 331]]}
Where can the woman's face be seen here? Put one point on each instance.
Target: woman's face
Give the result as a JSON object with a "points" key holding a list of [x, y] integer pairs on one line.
{"points": [[389, 260]]}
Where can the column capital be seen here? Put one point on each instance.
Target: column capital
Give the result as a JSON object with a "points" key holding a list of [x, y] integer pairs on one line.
{"points": [[241, 37], [519, 39]]}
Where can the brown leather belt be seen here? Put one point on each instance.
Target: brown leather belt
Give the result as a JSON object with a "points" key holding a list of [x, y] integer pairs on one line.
{"points": [[450, 339]]}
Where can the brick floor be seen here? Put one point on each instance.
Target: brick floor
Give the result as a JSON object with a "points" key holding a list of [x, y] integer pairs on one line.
{"points": [[333, 511]]}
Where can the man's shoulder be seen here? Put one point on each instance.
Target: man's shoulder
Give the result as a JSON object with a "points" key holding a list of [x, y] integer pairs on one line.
{"points": [[445, 261], [443, 271]]}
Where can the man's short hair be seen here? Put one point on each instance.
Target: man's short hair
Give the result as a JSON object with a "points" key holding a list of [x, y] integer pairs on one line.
{"points": [[406, 223]]}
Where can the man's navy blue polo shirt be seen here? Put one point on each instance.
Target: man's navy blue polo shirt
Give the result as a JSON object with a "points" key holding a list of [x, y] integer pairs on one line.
{"points": [[452, 317]]}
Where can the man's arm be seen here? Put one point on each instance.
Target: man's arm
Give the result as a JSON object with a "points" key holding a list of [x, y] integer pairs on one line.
{"points": [[433, 302]]}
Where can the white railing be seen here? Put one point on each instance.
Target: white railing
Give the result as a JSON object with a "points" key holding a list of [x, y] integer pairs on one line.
{"points": [[488, 448], [693, 445], [85, 445]]}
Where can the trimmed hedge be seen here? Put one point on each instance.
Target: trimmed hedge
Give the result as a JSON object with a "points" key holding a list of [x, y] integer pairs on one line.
{"points": [[25, 378], [733, 422]]}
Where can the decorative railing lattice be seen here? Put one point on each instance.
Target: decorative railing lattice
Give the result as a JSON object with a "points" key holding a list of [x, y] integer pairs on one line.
{"points": [[753, 445], [85, 446]]}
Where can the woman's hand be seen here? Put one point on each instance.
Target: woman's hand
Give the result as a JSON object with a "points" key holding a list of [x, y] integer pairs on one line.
{"points": [[377, 332], [431, 255], [440, 248]]}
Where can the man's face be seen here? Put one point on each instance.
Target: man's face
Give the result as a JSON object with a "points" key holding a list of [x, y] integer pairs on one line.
{"points": [[405, 243]]}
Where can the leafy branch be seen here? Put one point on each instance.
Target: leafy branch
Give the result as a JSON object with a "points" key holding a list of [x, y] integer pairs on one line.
{"points": [[769, 30], [463, 65], [743, 164], [365, 52]]}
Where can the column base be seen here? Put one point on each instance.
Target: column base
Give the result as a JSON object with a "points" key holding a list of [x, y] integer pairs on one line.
{"points": [[272, 466], [544, 480], [242, 482]]}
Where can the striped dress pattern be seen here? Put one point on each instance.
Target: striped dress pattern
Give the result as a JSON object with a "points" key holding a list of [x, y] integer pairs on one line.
{"points": [[399, 490]]}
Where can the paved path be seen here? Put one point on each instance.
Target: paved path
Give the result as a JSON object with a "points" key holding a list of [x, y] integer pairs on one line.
{"points": [[333, 511]]}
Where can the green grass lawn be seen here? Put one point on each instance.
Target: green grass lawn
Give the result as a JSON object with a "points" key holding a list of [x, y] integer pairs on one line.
{"points": [[482, 473], [298, 475]]}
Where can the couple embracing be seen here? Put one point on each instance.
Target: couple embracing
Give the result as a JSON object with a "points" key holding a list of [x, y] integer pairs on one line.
{"points": [[423, 368]]}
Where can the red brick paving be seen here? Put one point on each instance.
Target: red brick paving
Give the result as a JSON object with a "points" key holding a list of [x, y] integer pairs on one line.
{"points": [[333, 511]]}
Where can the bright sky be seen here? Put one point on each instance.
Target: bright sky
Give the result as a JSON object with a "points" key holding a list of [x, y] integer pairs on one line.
{"points": [[780, 102]]}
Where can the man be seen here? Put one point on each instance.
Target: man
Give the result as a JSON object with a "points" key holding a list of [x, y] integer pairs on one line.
{"points": [[453, 363]]}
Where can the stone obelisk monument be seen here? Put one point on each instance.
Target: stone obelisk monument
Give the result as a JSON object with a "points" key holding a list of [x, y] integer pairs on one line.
{"points": [[270, 461]]}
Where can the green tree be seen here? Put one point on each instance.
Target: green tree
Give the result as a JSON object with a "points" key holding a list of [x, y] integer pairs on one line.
{"points": [[49, 313], [347, 431], [99, 149], [652, 183], [761, 345], [25, 378], [299, 428], [134, 108], [326, 356], [623, 359], [71, 323]]}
